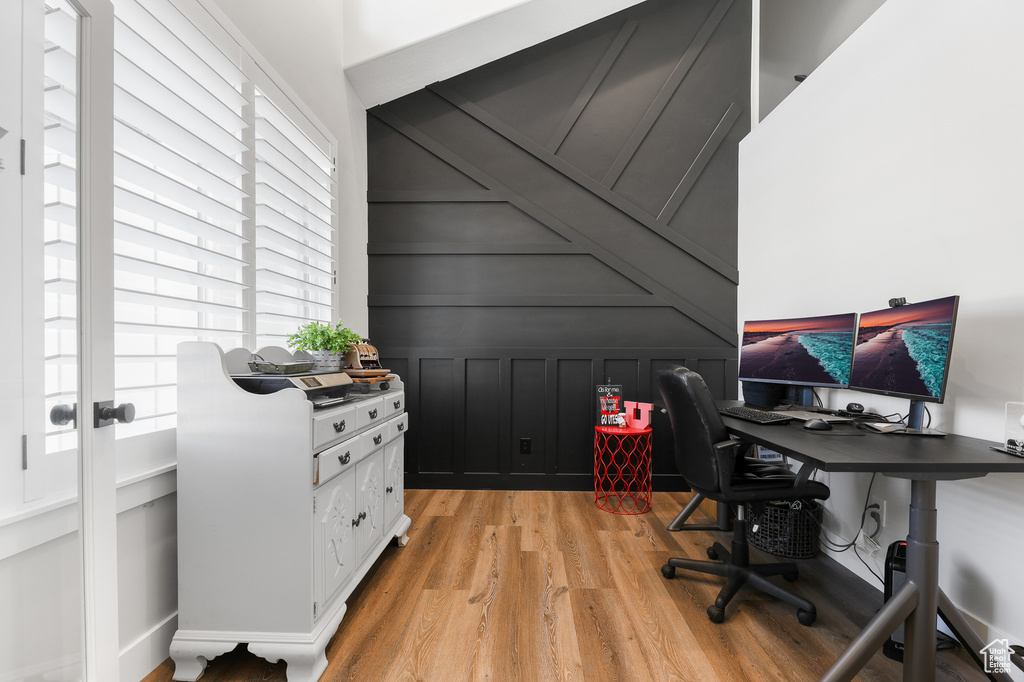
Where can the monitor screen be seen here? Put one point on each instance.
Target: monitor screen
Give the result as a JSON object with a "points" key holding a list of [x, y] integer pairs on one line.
{"points": [[904, 351], [806, 351]]}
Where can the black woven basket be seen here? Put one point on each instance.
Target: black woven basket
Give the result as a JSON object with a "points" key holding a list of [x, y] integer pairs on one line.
{"points": [[788, 529]]}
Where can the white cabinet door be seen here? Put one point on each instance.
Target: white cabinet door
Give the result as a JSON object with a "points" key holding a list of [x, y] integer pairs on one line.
{"points": [[335, 505], [394, 483], [370, 501]]}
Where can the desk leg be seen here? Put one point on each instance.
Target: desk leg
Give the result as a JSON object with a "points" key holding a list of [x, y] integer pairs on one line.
{"points": [[923, 571], [966, 634], [869, 641]]}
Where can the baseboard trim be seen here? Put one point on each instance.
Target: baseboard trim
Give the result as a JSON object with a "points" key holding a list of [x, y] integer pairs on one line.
{"points": [[555, 482], [147, 651]]}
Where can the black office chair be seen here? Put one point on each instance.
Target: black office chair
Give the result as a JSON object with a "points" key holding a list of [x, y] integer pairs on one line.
{"points": [[715, 467]]}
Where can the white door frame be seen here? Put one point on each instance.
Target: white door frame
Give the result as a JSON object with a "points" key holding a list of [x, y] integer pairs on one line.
{"points": [[97, 462]]}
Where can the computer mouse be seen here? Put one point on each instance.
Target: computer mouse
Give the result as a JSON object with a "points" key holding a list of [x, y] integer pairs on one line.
{"points": [[817, 425]]}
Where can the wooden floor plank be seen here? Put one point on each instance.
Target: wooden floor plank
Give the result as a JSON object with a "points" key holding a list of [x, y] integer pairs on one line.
{"points": [[499, 585], [668, 644], [608, 644]]}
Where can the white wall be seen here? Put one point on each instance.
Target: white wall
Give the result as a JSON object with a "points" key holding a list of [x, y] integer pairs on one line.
{"points": [[797, 35], [394, 47], [896, 169]]}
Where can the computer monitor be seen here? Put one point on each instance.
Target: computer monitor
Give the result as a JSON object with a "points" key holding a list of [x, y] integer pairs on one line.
{"points": [[804, 351], [904, 351]]}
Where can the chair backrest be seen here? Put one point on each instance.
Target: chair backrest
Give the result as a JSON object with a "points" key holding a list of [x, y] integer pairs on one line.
{"points": [[696, 426]]}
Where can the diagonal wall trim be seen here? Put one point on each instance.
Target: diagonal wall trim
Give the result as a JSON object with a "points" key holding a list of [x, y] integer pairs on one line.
{"points": [[515, 300], [669, 89], [471, 248], [725, 332], [590, 87], [423, 195], [700, 163], [588, 183]]}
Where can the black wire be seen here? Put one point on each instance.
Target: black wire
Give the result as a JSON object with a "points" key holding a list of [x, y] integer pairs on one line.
{"points": [[878, 577], [836, 547], [929, 413]]}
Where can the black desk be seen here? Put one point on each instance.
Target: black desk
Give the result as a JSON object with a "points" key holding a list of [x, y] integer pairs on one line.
{"points": [[924, 460]]}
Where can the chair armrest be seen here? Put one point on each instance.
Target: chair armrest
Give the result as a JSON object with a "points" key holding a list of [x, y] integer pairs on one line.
{"points": [[727, 452]]}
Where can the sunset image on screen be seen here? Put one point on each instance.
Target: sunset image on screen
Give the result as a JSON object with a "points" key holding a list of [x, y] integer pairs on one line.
{"points": [[807, 350], [904, 349]]}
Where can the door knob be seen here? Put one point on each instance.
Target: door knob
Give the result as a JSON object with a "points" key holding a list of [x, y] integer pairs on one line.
{"points": [[105, 413], [62, 415]]}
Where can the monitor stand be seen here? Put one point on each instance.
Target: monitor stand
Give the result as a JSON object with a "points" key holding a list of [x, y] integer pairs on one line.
{"points": [[805, 396], [914, 421]]}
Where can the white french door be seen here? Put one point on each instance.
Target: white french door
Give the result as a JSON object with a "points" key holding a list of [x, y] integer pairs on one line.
{"points": [[58, 560]]}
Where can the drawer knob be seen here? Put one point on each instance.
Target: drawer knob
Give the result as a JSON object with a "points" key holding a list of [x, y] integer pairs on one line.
{"points": [[346, 458], [362, 515], [401, 427], [373, 413], [391, 489], [398, 404], [355, 521], [378, 438], [339, 426]]}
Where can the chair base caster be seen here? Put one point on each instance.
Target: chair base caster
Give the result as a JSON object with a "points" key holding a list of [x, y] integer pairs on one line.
{"points": [[806, 617], [716, 614], [668, 571]]}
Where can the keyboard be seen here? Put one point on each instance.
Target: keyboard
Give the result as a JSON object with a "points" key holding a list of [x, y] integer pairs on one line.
{"points": [[759, 416]]}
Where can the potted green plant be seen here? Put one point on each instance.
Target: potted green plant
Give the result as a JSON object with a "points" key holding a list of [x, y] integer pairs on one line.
{"points": [[326, 343]]}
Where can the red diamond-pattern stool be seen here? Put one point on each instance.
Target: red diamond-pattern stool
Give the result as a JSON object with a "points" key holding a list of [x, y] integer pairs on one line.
{"points": [[622, 469]]}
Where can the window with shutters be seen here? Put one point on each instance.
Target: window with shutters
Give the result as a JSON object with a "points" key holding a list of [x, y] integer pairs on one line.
{"points": [[197, 256], [295, 262]]}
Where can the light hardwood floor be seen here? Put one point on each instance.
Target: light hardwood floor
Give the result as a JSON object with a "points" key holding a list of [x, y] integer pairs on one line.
{"points": [[498, 585]]}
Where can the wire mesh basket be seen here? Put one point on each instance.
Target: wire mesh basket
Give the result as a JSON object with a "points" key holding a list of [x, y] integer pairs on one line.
{"points": [[787, 529]]}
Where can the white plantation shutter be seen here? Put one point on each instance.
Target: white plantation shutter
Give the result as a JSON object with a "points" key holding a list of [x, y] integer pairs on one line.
{"points": [[178, 165], [196, 257], [295, 257], [60, 216]]}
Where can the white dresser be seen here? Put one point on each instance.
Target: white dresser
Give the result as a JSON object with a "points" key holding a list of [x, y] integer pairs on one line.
{"points": [[282, 510]]}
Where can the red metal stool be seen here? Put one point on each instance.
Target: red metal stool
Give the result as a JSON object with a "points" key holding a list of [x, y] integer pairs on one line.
{"points": [[622, 469]]}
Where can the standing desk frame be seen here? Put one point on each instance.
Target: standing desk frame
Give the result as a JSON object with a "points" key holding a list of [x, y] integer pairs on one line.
{"points": [[924, 461]]}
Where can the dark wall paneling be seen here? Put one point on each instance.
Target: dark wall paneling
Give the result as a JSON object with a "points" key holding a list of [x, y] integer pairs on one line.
{"points": [[528, 415], [433, 417], [483, 402], [554, 219], [575, 409]]}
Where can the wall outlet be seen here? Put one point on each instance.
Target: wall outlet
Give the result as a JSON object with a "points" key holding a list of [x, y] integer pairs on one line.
{"points": [[525, 446], [877, 504]]}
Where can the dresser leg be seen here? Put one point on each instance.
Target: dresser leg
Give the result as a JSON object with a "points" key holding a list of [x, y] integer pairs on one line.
{"points": [[191, 656], [402, 541]]}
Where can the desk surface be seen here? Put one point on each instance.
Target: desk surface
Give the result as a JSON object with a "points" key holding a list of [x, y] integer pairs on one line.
{"points": [[846, 448]]}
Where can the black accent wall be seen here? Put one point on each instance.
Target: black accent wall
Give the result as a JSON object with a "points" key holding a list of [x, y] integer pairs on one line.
{"points": [[560, 217]]}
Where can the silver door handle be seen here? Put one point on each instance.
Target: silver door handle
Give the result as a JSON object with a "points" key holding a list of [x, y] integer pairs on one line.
{"points": [[62, 415]]}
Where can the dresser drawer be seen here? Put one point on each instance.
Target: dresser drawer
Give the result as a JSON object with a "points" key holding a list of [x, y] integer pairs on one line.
{"points": [[394, 402], [369, 412], [374, 438], [397, 426], [332, 425], [335, 460]]}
